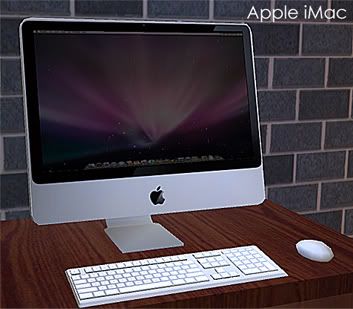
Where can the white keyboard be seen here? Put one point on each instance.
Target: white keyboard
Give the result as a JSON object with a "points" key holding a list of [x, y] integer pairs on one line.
{"points": [[123, 281]]}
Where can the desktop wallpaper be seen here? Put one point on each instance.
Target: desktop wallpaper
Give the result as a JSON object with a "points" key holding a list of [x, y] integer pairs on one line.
{"points": [[127, 97]]}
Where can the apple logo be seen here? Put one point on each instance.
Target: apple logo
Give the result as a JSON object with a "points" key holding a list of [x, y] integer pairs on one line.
{"points": [[157, 196]]}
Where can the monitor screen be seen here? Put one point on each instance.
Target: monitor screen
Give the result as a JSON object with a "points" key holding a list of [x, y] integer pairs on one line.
{"points": [[117, 104]]}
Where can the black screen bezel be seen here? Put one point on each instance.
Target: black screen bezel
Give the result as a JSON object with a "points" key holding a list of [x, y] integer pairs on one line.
{"points": [[39, 176]]}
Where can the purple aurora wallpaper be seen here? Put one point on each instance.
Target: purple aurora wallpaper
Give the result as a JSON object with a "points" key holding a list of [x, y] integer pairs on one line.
{"points": [[117, 97]]}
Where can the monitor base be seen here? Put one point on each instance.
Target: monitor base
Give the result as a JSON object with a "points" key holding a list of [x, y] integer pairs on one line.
{"points": [[140, 234]]}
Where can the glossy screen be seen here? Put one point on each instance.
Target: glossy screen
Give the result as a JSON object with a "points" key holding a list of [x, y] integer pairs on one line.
{"points": [[116, 100]]}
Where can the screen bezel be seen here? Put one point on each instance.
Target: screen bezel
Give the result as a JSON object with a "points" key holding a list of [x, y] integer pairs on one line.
{"points": [[30, 84]]}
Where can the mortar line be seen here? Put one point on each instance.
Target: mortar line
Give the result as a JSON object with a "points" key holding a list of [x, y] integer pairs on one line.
{"points": [[318, 200], [15, 134], [295, 168], [323, 134], [301, 39], [308, 151], [343, 220], [307, 121], [350, 103], [304, 88], [346, 165], [72, 7], [270, 73], [2, 155], [297, 99], [144, 9], [13, 172], [307, 212], [211, 10], [268, 138], [326, 72], [305, 56], [272, 4], [11, 96], [313, 182], [329, 6]]}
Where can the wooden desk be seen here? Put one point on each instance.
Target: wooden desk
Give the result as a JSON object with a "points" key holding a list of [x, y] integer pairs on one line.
{"points": [[34, 258]]}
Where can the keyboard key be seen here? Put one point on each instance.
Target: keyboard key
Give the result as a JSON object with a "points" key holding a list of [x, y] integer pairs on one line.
{"points": [[250, 271], [74, 272], [190, 280], [112, 292], [83, 286], [85, 295], [216, 276], [269, 266], [150, 286], [201, 278], [98, 293], [178, 281], [87, 290]]}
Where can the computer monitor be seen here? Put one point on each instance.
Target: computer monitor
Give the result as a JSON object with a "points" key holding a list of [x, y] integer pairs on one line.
{"points": [[127, 119]]}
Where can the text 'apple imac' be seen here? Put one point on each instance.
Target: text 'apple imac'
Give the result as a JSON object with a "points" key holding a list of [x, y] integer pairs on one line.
{"points": [[129, 119]]}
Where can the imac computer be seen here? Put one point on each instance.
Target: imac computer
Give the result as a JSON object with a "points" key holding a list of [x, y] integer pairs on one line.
{"points": [[128, 119]]}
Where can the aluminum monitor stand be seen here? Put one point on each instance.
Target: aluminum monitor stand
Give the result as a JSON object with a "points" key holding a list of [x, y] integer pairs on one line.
{"points": [[140, 234]]}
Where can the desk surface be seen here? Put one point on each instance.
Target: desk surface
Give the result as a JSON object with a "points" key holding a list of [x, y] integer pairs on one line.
{"points": [[34, 258]]}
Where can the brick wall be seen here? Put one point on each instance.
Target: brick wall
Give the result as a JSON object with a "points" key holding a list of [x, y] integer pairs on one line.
{"points": [[305, 80]]}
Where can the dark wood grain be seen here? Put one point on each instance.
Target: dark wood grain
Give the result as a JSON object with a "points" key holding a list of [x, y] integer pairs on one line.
{"points": [[34, 258]]}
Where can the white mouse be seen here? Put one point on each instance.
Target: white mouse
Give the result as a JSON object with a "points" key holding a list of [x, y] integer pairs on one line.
{"points": [[314, 250]]}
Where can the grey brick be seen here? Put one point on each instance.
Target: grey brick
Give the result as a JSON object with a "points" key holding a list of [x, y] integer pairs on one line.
{"points": [[36, 7], [275, 39], [318, 166], [125, 8], [277, 105], [339, 134], [263, 138], [291, 73], [240, 9], [299, 6], [9, 36], [327, 40], [10, 76], [15, 153], [323, 104], [345, 4], [19, 214], [278, 169], [348, 223], [14, 191], [297, 198], [261, 66], [295, 137], [340, 72], [330, 219], [350, 164], [11, 115], [178, 9], [337, 194]]}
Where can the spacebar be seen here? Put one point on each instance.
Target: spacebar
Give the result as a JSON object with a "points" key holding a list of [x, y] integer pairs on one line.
{"points": [[144, 287]]}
